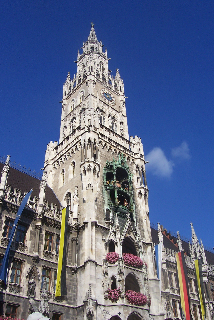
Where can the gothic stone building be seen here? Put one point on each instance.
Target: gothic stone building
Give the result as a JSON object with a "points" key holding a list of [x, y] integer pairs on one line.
{"points": [[98, 172]]}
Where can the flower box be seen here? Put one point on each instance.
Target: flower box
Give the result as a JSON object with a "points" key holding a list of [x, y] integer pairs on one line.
{"points": [[114, 294], [136, 298], [112, 257], [132, 260]]}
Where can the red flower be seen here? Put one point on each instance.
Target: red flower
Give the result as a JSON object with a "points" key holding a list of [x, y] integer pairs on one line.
{"points": [[136, 298], [112, 257], [132, 260], [114, 294]]}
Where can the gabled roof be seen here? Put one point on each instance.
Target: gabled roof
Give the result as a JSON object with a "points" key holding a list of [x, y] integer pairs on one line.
{"points": [[170, 242], [25, 183]]}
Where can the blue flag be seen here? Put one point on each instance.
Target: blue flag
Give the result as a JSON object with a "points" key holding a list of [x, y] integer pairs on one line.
{"points": [[158, 256], [4, 267]]}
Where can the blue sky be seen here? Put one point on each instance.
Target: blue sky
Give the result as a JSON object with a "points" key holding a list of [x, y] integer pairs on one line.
{"points": [[164, 51]]}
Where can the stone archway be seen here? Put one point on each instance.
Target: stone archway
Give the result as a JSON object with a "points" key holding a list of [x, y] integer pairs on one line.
{"points": [[115, 318], [134, 316], [131, 283], [128, 246]]}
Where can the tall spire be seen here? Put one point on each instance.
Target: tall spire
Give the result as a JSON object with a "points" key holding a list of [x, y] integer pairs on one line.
{"points": [[92, 44], [195, 243], [4, 176]]}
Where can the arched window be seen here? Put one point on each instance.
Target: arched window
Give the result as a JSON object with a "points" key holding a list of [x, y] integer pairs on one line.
{"points": [[62, 178], [71, 170], [131, 283], [68, 199], [134, 316], [113, 283], [128, 246], [115, 318], [81, 96], [111, 246], [72, 104]]}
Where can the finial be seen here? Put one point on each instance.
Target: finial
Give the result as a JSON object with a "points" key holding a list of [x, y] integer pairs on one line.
{"points": [[203, 253], [194, 237], [179, 242], [195, 243], [92, 24], [7, 160], [160, 235]]}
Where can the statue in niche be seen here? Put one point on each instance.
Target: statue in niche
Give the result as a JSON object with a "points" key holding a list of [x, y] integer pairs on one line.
{"points": [[31, 288], [75, 203]]}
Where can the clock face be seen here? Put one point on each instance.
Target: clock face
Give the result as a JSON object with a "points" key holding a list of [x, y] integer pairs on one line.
{"points": [[107, 96]]}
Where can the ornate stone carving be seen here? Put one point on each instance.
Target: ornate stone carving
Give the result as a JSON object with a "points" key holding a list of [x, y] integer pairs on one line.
{"points": [[44, 307], [31, 288], [14, 288]]}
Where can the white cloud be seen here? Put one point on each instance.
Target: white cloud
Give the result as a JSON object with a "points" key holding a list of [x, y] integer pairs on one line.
{"points": [[158, 164], [182, 152]]}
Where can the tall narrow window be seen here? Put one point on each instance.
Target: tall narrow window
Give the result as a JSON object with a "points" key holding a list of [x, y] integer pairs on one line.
{"points": [[113, 283], [16, 272], [55, 278], [57, 244], [48, 241], [46, 279], [170, 279], [176, 281], [7, 228], [174, 308], [71, 170], [195, 312], [63, 176], [190, 285], [111, 246]]}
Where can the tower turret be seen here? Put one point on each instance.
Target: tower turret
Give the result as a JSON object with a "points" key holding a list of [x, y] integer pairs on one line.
{"points": [[102, 172]]}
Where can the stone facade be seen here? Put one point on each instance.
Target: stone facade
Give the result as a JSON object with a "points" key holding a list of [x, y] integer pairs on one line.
{"points": [[98, 172]]}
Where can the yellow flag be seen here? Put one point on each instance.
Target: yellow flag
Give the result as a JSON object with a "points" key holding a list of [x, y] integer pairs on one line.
{"points": [[60, 259], [200, 289]]}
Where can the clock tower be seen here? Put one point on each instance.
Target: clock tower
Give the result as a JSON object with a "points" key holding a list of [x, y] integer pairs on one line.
{"points": [[98, 172]]}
